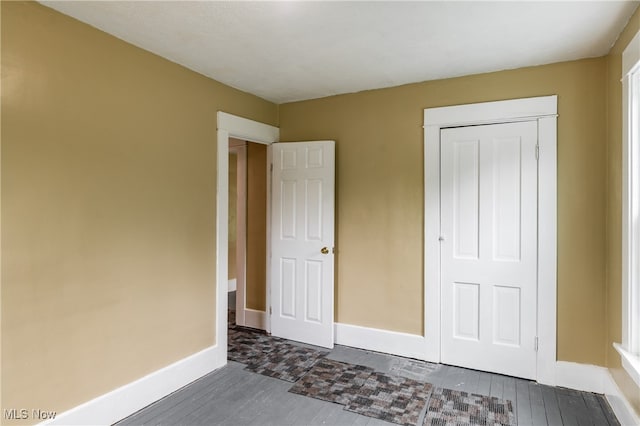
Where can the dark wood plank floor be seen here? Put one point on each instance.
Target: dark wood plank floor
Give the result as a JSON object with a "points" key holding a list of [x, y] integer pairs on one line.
{"points": [[233, 396]]}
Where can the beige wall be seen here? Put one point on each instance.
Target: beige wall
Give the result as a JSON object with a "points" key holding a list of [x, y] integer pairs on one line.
{"points": [[380, 193], [256, 226], [614, 210], [108, 208]]}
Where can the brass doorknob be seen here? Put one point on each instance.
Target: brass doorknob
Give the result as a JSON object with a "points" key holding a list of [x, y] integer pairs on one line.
{"points": [[324, 250]]}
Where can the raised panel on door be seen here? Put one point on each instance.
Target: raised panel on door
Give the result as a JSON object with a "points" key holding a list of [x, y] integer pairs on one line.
{"points": [[288, 288], [466, 307], [288, 206], [313, 209], [488, 253], [302, 223], [313, 291], [506, 315], [506, 198], [465, 187]]}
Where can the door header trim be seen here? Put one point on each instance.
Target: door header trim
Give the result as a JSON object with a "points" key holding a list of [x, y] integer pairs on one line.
{"points": [[249, 130], [492, 112]]}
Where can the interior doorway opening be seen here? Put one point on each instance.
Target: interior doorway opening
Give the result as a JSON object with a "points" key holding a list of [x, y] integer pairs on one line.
{"points": [[230, 126], [247, 234]]}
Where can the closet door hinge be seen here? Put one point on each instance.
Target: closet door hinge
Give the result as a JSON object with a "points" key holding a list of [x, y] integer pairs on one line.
{"points": [[537, 152], [535, 343]]}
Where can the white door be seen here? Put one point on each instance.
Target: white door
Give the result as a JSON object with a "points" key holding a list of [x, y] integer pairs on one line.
{"points": [[302, 238], [489, 247]]}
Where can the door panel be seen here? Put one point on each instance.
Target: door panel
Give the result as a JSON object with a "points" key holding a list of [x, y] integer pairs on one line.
{"points": [[302, 223], [489, 247], [313, 289], [288, 287], [506, 322], [466, 308], [506, 200], [465, 199]]}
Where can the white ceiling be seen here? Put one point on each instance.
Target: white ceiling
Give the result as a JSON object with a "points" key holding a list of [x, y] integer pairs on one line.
{"points": [[287, 51]]}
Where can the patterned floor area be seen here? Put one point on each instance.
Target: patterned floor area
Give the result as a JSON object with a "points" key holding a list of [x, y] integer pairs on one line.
{"points": [[449, 407], [333, 381], [271, 356], [393, 399], [361, 389]]}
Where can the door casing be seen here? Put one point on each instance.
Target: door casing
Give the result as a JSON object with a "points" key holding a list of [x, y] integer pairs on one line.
{"points": [[244, 129], [544, 111]]}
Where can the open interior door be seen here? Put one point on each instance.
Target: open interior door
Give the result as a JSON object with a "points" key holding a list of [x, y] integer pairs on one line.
{"points": [[302, 239]]}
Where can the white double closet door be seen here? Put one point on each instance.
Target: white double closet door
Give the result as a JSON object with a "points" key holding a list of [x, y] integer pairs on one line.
{"points": [[489, 247]]}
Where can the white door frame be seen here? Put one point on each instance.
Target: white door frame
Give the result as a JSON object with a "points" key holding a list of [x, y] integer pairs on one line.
{"points": [[240, 128], [544, 111]]}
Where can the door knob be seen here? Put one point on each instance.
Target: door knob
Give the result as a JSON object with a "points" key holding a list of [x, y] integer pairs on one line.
{"points": [[324, 250]]}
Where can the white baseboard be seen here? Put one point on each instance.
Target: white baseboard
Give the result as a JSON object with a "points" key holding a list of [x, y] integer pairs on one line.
{"points": [[619, 404], [593, 378], [255, 319], [232, 284], [583, 377], [391, 342], [126, 400]]}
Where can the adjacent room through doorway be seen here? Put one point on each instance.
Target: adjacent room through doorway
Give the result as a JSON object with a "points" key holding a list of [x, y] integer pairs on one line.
{"points": [[247, 242]]}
